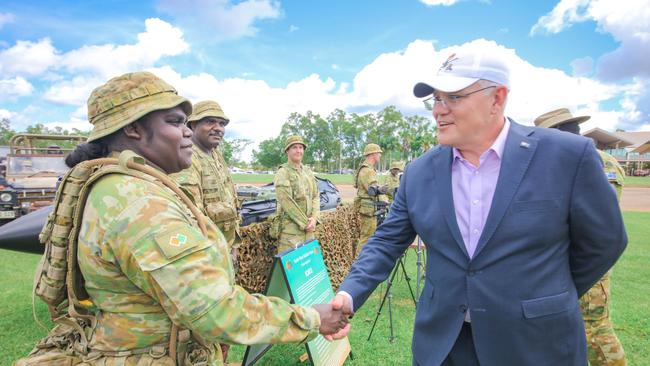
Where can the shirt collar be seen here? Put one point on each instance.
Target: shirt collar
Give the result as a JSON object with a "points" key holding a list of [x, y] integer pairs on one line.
{"points": [[498, 145]]}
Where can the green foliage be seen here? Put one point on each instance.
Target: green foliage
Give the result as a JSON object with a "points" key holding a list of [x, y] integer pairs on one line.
{"points": [[337, 141], [5, 132], [271, 152], [233, 148]]}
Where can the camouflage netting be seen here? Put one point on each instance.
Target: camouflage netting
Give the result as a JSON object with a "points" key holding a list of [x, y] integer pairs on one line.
{"points": [[336, 234]]}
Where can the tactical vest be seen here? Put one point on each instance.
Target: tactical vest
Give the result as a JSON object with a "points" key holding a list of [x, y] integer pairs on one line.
{"points": [[219, 196], [58, 277], [363, 201], [296, 186]]}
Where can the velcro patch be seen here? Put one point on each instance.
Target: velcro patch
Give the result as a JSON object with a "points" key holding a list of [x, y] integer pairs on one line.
{"points": [[178, 239]]}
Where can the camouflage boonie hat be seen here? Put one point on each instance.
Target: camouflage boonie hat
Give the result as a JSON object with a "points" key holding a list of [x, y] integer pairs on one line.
{"points": [[558, 117], [292, 140], [125, 99], [371, 148], [397, 165], [206, 108]]}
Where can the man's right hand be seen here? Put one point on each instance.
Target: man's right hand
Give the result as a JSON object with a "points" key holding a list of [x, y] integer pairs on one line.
{"points": [[331, 320], [342, 303]]}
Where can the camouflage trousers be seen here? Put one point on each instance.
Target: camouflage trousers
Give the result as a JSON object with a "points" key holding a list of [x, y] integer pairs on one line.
{"points": [[603, 346], [367, 227], [289, 241]]}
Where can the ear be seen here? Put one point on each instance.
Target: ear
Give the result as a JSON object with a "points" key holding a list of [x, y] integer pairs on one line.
{"points": [[133, 131], [500, 97]]}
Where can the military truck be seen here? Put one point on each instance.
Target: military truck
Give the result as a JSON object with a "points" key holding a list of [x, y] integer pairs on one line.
{"points": [[32, 168]]}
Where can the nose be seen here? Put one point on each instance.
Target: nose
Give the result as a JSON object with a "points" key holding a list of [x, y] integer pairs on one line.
{"points": [[187, 132]]}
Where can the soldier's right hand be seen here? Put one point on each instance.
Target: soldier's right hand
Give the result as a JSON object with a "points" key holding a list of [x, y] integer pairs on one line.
{"points": [[331, 321]]}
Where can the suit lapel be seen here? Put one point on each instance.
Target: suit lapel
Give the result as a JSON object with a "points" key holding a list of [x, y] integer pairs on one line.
{"points": [[517, 154], [442, 166]]}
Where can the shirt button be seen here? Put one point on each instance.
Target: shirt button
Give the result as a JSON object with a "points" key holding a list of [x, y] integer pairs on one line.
{"points": [[475, 231], [475, 202], [476, 172]]}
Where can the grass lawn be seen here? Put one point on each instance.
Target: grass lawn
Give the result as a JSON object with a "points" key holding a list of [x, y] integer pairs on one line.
{"points": [[630, 309], [637, 181]]}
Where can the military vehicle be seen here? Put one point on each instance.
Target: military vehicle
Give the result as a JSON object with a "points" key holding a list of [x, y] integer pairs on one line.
{"points": [[32, 167], [259, 202]]}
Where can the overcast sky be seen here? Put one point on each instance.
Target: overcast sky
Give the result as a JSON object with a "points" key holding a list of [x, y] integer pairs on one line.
{"points": [[262, 59]]}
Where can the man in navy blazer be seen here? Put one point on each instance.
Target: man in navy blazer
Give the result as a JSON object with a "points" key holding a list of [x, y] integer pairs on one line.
{"points": [[518, 222]]}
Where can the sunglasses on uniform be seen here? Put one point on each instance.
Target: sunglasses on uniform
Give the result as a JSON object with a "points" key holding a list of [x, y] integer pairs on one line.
{"points": [[449, 100]]}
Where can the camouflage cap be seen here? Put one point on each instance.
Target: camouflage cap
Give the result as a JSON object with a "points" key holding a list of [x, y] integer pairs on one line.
{"points": [[371, 148], [558, 117], [292, 140], [125, 99], [397, 165], [206, 108]]}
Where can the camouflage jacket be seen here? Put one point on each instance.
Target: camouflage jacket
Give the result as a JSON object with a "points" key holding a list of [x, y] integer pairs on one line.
{"points": [[297, 197], [146, 264], [614, 171], [210, 186], [392, 182], [366, 176]]}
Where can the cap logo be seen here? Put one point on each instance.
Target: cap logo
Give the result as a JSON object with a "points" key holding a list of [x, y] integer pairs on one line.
{"points": [[447, 65]]}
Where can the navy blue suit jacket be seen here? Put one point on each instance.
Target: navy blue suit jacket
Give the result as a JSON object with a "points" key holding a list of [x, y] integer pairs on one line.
{"points": [[554, 228]]}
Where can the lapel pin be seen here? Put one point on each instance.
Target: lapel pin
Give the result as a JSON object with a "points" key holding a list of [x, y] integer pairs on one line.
{"points": [[524, 144]]}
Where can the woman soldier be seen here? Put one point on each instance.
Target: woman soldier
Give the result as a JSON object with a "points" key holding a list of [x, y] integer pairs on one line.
{"points": [[148, 268]]}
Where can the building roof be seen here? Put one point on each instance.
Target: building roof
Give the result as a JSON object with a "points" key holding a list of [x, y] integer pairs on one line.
{"points": [[640, 140], [608, 140]]}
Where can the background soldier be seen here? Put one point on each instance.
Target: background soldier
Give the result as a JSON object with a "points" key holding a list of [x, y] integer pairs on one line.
{"points": [[603, 345], [368, 193], [392, 180], [298, 199], [208, 181]]}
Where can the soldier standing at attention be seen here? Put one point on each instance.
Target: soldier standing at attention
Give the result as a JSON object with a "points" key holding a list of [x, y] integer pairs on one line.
{"points": [[207, 181], [392, 180], [156, 270], [368, 192], [298, 199], [603, 345]]}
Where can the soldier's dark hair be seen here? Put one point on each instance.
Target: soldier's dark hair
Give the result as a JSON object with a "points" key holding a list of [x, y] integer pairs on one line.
{"points": [[101, 147], [87, 151]]}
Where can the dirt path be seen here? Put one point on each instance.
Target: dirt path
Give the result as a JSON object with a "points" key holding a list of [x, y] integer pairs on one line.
{"points": [[633, 199]]}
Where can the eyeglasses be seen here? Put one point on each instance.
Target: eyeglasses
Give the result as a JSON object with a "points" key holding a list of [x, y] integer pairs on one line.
{"points": [[450, 100]]}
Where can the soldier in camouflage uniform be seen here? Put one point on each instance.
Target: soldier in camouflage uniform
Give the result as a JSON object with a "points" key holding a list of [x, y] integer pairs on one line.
{"points": [[298, 199], [603, 345], [368, 192], [392, 180], [147, 266], [208, 181]]}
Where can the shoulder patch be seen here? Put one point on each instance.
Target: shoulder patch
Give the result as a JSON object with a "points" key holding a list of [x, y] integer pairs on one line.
{"points": [[178, 239]]}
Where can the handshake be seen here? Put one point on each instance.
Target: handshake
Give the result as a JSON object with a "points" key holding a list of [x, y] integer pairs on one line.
{"points": [[334, 317]]}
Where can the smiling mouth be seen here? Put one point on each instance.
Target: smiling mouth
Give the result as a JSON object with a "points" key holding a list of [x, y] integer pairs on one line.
{"points": [[186, 146], [444, 124]]}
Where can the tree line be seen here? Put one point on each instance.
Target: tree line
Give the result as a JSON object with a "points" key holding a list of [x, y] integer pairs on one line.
{"points": [[336, 142]]}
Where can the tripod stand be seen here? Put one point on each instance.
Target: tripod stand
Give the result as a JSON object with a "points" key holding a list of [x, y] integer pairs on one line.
{"points": [[388, 295]]}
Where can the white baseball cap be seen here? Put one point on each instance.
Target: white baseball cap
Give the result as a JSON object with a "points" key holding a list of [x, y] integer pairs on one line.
{"points": [[464, 68]]}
